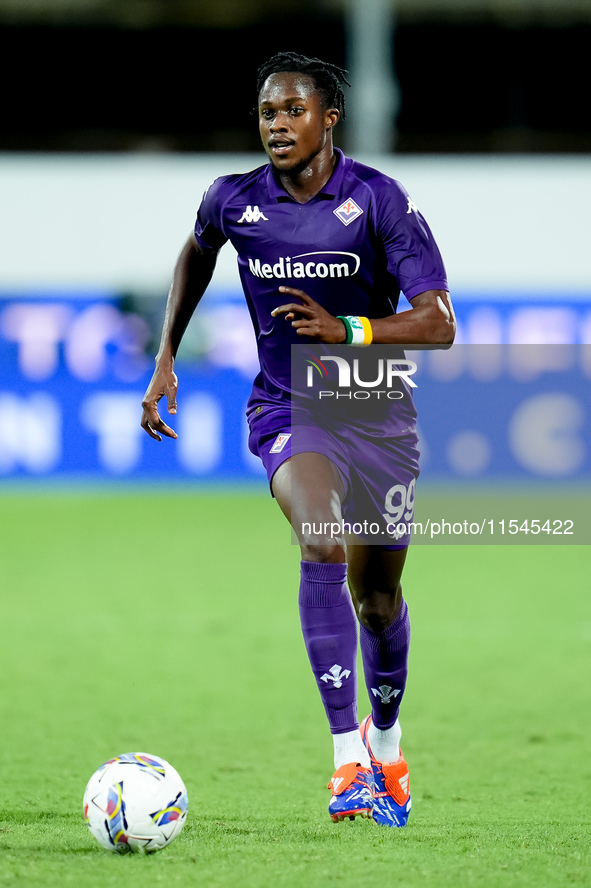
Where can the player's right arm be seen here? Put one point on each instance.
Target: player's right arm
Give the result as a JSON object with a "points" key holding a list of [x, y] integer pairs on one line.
{"points": [[192, 274]]}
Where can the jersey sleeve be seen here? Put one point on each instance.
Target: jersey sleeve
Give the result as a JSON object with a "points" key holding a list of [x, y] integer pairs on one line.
{"points": [[208, 226], [412, 255]]}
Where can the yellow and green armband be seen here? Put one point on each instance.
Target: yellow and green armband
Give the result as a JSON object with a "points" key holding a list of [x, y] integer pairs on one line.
{"points": [[358, 329]]}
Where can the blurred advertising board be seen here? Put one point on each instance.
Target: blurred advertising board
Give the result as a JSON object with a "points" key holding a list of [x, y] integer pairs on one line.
{"points": [[510, 401]]}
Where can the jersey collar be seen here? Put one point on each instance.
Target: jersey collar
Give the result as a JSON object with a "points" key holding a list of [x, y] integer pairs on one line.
{"points": [[329, 192]]}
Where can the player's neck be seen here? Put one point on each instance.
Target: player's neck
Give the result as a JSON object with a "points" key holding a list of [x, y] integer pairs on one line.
{"points": [[304, 183]]}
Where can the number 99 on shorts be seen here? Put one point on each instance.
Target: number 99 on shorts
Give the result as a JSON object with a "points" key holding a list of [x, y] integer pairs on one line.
{"points": [[399, 504]]}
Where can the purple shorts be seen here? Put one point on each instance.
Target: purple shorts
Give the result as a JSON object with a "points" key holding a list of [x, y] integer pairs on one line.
{"points": [[379, 474]]}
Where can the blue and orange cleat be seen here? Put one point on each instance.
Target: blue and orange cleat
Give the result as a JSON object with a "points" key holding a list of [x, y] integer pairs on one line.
{"points": [[352, 792], [391, 800]]}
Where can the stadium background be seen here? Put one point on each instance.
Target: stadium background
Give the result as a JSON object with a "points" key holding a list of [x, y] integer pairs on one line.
{"points": [[135, 107]]}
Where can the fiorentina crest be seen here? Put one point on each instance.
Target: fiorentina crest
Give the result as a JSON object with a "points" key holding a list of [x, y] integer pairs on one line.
{"points": [[348, 211]]}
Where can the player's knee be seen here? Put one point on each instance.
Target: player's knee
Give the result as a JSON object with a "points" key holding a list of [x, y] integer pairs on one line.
{"points": [[321, 541], [323, 553], [376, 618], [378, 609]]}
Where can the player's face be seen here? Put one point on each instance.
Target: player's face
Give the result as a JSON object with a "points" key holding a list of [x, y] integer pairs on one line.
{"points": [[293, 123]]}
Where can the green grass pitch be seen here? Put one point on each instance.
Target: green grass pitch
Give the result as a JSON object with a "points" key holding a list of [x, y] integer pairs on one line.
{"points": [[167, 623]]}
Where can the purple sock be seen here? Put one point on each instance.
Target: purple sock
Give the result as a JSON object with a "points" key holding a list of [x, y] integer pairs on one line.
{"points": [[385, 664], [329, 624]]}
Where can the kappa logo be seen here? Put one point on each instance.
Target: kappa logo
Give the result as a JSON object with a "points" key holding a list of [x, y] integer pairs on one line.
{"points": [[335, 675], [411, 206], [252, 214], [348, 211], [385, 693], [280, 442]]}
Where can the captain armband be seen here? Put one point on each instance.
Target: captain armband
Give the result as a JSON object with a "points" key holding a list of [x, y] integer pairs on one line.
{"points": [[358, 329]]}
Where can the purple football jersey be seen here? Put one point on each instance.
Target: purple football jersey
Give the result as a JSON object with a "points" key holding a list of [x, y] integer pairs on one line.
{"points": [[353, 248]]}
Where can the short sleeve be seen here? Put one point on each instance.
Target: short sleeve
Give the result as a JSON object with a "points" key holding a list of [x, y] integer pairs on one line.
{"points": [[412, 255], [208, 226]]}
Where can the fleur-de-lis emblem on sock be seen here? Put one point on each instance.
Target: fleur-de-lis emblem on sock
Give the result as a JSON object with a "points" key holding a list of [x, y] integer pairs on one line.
{"points": [[385, 693], [336, 675]]}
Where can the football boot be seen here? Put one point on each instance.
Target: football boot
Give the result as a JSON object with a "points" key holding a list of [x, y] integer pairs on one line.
{"points": [[391, 799], [352, 792]]}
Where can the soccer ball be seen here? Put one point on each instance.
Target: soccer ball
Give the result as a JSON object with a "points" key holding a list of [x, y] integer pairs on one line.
{"points": [[135, 802]]}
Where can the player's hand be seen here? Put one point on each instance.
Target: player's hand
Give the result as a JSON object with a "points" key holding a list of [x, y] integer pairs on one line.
{"points": [[164, 383], [308, 318]]}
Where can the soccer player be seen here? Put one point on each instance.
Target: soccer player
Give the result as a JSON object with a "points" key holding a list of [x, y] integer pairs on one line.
{"points": [[325, 246]]}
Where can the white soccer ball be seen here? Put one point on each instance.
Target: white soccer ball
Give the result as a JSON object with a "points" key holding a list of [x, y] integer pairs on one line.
{"points": [[135, 802]]}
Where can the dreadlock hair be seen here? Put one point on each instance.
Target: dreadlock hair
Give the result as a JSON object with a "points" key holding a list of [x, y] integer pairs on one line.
{"points": [[326, 76]]}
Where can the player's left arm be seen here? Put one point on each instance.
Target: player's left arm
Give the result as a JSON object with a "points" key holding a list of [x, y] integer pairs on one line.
{"points": [[431, 320]]}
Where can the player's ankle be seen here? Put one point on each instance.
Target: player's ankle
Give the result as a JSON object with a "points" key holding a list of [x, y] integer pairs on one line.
{"points": [[385, 744], [348, 747]]}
